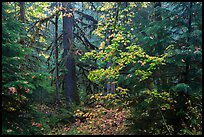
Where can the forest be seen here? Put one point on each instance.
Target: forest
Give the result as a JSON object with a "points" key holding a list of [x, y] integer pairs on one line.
{"points": [[102, 68]]}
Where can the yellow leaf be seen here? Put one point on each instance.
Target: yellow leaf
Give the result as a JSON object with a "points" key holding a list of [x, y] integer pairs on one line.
{"points": [[102, 45], [41, 39], [163, 108]]}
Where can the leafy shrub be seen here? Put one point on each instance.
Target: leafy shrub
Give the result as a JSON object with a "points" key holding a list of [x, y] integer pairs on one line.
{"points": [[166, 113]]}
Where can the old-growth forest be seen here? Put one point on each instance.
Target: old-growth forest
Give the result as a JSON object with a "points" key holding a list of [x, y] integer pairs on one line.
{"points": [[102, 68]]}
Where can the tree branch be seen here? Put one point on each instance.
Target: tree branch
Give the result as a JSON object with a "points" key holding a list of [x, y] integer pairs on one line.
{"points": [[44, 19], [88, 17], [53, 41]]}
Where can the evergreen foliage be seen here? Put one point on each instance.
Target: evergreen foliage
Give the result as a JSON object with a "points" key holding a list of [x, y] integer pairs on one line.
{"points": [[138, 68]]}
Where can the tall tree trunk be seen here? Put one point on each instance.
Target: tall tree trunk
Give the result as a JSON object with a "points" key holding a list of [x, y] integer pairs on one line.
{"points": [[22, 11], [70, 75], [188, 41], [110, 87], [15, 10], [22, 18], [158, 48], [56, 57], [158, 18], [189, 21]]}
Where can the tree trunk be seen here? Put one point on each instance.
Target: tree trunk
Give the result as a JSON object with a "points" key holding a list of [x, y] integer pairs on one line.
{"points": [[15, 10], [110, 87], [159, 48], [56, 58], [70, 74], [22, 18], [22, 11], [188, 41], [189, 21]]}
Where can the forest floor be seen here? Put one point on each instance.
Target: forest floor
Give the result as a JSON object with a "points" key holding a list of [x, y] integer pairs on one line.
{"points": [[88, 120]]}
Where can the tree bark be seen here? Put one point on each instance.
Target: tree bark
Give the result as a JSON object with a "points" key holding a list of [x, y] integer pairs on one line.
{"points": [[159, 48], [56, 57], [188, 41], [15, 10], [22, 18], [110, 87], [22, 11], [70, 75], [189, 21]]}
